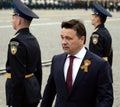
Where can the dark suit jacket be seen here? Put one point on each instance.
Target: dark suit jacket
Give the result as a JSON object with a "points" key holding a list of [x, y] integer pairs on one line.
{"points": [[90, 89]]}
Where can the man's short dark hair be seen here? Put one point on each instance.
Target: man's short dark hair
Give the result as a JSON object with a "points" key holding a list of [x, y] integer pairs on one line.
{"points": [[76, 25]]}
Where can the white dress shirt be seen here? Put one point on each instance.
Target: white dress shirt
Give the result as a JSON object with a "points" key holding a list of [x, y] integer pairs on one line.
{"points": [[76, 64]]}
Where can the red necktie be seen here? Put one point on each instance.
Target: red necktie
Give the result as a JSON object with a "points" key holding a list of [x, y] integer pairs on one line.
{"points": [[69, 74]]}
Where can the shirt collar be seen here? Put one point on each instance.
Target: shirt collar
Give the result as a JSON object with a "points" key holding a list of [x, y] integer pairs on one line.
{"points": [[80, 54]]}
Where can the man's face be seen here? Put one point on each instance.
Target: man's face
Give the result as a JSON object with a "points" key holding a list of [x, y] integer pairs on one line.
{"points": [[71, 44], [15, 21], [95, 20]]}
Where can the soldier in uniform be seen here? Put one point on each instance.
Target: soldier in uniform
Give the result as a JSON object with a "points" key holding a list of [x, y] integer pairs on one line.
{"points": [[101, 41], [23, 66]]}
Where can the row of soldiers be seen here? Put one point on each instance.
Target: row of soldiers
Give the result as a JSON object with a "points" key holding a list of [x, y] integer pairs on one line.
{"points": [[113, 6], [59, 4]]}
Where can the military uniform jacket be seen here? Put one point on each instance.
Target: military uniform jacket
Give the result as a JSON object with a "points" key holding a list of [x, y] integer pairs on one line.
{"points": [[92, 86], [101, 43], [24, 58]]}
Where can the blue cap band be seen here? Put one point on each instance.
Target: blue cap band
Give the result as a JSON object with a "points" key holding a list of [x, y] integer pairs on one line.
{"points": [[22, 14]]}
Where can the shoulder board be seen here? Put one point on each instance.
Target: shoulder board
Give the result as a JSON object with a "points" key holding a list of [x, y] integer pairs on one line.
{"points": [[95, 30], [15, 35]]}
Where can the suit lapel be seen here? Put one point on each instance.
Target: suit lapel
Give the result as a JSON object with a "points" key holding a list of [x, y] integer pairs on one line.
{"points": [[61, 72], [81, 72]]}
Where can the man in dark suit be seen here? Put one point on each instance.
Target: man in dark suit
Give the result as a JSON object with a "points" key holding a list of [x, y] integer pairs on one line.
{"points": [[24, 69], [101, 40], [78, 78]]}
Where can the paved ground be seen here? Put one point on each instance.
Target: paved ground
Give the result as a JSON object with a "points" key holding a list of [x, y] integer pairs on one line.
{"points": [[47, 31]]}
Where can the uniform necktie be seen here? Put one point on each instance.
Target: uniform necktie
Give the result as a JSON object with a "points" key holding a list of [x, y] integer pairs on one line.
{"points": [[69, 74]]}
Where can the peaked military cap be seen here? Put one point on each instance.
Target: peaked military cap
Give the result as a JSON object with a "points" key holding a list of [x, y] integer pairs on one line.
{"points": [[22, 10], [99, 10]]}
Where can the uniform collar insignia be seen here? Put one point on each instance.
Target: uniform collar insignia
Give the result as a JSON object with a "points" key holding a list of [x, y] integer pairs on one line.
{"points": [[86, 65]]}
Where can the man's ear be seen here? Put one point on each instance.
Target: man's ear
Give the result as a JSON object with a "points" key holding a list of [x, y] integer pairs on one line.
{"points": [[19, 20], [83, 39]]}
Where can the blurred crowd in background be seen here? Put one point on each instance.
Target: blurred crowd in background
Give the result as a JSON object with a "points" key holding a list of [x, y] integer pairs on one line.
{"points": [[112, 5]]}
